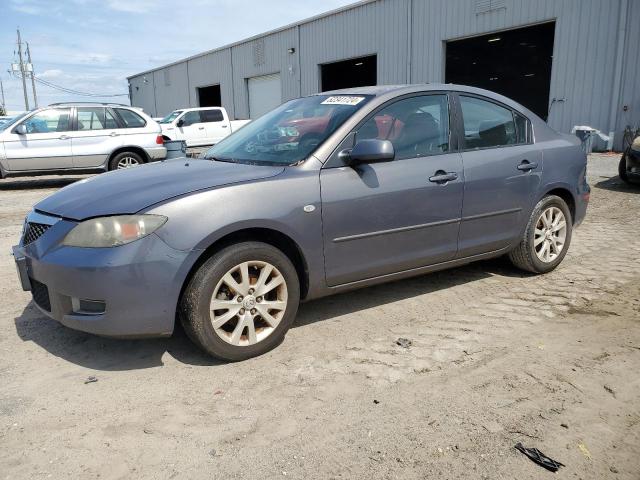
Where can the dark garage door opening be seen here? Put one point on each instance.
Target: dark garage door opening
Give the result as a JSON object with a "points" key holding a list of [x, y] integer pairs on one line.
{"points": [[209, 96], [356, 72], [514, 63]]}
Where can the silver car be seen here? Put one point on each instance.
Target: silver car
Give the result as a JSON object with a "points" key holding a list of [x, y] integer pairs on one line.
{"points": [[78, 137]]}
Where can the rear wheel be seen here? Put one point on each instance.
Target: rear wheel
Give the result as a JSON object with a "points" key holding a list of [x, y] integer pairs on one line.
{"points": [[125, 160], [241, 302], [547, 237]]}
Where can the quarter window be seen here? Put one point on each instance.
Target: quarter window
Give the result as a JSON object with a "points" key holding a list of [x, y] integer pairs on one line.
{"points": [[522, 128], [211, 115], [417, 126], [51, 120], [91, 118], [486, 124], [130, 119]]}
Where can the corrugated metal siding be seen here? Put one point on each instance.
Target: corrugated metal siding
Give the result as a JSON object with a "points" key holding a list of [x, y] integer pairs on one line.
{"points": [[211, 69], [176, 93], [376, 28], [265, 56], [583, 74]]}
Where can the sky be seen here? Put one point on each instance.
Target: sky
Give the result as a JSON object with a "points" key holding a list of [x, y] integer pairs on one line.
{"points": [[93, 45]]}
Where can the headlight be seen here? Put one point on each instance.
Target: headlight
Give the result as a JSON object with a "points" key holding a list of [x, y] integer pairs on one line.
{"points": [[113, 231]]}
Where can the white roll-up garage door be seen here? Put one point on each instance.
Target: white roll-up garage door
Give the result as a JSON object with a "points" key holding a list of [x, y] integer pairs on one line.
{"points": [[265, 94]]}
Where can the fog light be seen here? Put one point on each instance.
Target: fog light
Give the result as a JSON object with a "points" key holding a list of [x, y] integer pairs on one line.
{"points": [[87, 307]]}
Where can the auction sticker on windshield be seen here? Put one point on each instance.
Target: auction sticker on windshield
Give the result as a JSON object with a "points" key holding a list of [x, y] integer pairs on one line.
{"points": [[343, 100]]}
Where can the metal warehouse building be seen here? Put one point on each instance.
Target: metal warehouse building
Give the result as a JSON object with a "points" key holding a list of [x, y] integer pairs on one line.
{"points": [[574, 62]]}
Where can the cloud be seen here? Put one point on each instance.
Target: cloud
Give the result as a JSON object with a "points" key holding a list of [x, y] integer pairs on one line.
{"points": [[53, 73], [138, 6]]}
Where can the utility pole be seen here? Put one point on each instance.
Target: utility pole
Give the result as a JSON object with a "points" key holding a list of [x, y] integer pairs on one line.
{"points": [[22, 73], [4, 108], [33, 81]]}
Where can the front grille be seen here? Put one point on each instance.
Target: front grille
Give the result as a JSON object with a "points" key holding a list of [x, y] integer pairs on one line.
{"points": [[40, 294], [33, 231]]}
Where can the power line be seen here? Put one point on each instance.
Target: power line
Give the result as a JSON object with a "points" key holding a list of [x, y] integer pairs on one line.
{"points": [[75, 92]]}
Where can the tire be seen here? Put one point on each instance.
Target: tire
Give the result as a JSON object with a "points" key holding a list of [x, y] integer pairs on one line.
{"points": [[117, 162], [525, 256], [622, 169], [223, 340]]}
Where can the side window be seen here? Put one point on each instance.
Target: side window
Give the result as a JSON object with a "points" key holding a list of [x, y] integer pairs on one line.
{"points": [[130, 118], [91, 118], [47, 121], [211, 115], [190, 118], [486, 124], [417, 126], [522, 128], [110, 120]]}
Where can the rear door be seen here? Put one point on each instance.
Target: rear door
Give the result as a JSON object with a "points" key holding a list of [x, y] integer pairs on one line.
{"points": [[502, 169], [45, 146], [215, 125], [382, 218], [94, 137]]}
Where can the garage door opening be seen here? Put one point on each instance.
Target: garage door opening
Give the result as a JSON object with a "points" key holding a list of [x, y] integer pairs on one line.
{"points": [[209, 96], [357, 72], [514, 63]]}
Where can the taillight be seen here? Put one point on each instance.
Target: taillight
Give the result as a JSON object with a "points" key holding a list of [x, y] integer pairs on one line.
{"points": [[160, 140]]}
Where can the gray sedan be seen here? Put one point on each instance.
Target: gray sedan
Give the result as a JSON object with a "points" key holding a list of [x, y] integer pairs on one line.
{"points": [[324, 194]]}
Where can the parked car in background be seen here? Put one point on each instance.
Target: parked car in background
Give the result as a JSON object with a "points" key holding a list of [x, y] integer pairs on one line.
{"points": [[400, 181], [199, 126], [629, 166], [78, 137]]}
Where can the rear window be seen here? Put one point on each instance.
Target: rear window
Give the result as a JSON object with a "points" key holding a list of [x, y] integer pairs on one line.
{"points": [[211, 115], [130, 118]]}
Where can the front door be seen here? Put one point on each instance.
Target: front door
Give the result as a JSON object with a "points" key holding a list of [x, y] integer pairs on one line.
{"points": [[192, 130], [502, 170], [382, 218], [45, 146]]}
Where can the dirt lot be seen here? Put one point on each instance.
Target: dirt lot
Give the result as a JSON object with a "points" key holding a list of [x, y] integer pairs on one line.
{"points": [[497, 357]]}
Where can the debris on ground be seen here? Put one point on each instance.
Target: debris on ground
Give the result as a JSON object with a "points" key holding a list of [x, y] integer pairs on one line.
{"points": [[91, 379], [376, 401], [610, 390], [212, 452], [564, 425], [540, 458], [404, 342], [585, 451]]}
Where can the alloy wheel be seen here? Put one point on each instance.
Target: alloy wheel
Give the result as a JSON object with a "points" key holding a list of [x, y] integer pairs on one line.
{"points": [[248, 303], [127, 162], [550, 234]]}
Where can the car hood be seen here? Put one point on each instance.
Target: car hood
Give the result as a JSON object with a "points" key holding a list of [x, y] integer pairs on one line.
{"points": [[134, 189]]}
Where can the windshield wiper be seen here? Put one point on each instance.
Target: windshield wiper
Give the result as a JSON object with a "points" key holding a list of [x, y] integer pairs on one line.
{"points": [[221, 159]]}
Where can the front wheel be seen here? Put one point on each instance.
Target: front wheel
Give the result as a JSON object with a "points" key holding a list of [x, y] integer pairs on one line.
{"points": [[547, 237], [241, 301]]}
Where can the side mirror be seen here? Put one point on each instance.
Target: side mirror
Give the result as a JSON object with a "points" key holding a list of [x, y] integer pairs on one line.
{"points": [[180, 123], [370, 151], [21, 129]]}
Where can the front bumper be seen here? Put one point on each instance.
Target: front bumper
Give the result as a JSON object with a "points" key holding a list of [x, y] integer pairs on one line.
{"points": [[138, 284], [156, 153]]}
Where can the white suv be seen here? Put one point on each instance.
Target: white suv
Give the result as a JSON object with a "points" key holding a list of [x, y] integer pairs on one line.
{"points": [[78, 137]]}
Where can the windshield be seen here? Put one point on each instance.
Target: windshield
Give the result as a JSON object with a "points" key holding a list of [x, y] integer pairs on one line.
{"points": [[11, 121], [171, 117], [289, 133]]}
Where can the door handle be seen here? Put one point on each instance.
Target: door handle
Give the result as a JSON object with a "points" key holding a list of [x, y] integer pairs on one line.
{"points": [[63, 137], [443, 177], [200, 128], [526, 165], [225, 126], [113, 134]]}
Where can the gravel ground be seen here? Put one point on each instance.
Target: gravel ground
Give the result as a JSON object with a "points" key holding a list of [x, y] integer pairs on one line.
{"points": [[496, 358]]}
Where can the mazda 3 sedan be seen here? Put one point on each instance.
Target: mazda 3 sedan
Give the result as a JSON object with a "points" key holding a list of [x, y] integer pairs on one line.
{"points": [[324, 194]]}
